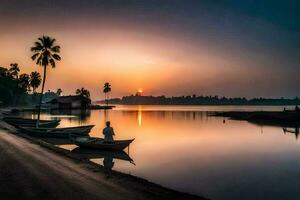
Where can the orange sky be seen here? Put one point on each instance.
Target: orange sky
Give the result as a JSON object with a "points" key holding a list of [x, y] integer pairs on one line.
{"points": [[127, 60]]}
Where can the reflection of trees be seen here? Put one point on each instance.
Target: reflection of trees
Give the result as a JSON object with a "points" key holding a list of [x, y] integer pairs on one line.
{"points": [[163, 115], [106, 115], [82, 115], [188, 115]]}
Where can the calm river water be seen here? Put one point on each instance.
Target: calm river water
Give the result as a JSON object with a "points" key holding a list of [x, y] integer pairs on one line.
{"points": [[181, 147]]}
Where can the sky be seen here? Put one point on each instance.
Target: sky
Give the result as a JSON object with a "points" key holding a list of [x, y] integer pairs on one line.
{"points": [[164, 47]]}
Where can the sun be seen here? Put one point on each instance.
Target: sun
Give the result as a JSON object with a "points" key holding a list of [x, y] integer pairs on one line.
{"points": [[139, 92]]}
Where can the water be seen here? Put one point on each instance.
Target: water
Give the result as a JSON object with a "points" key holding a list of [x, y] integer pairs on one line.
{"points": [[182, 148]]}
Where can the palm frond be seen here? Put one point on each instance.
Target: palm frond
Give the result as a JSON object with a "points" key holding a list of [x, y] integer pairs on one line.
{"points": [[41, 39], [34, 56], [36, 49], [38, 44], [56, 57], [55, 49], [39, 60], [51, 41], [52, 62]]}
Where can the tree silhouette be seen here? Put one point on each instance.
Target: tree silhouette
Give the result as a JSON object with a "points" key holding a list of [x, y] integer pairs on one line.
{"points": [[83, 92], [59, 91], [14, 70], [45, 52], [24, 82], [35, 80], [106, 90], [3, 72]]}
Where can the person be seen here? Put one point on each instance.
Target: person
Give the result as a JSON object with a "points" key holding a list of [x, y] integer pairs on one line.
{"points": [[108, 133]]}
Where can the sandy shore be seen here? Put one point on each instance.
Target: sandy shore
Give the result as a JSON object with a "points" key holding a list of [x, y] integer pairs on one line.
{"points": [[29, 171]]}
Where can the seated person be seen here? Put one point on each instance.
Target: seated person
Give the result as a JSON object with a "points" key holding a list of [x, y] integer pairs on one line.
{"points": [[108, 133]]}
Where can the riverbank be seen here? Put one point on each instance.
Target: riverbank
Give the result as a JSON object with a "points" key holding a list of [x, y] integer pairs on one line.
{"points": [[35, 169], [278, 118]]}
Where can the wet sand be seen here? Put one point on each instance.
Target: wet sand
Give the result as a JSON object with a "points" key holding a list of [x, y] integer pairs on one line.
{"points": [[29, 171]]}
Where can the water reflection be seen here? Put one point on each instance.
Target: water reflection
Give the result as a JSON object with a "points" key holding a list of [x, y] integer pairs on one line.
{"points": [[58, 141], [106, 116], [140, 116], [107, 156], [187, 150], [286, 127], [81, 116], [292, 130], [175, 115]]}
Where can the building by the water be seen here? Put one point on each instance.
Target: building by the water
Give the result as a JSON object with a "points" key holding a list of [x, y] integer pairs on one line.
{"points": [[70, 102]]}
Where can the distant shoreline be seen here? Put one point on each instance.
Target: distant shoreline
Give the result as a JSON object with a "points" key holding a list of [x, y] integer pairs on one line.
{"points": [[201, 101], [279, 105]]}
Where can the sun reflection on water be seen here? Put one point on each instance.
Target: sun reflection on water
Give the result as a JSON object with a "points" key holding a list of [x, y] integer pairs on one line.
{"points": [[140, 110]]}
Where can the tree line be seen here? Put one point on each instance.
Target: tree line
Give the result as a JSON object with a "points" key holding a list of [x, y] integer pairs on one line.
{"points": [[17, 88], [201, 100]]}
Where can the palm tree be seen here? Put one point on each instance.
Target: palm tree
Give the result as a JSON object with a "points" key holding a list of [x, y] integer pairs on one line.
{"points": [[83, 92], [45, 52], [24, 82], [14, 70], [106, 90], [35, 80]]}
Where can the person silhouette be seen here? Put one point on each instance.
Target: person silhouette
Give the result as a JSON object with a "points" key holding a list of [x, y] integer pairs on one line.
{"points": [[108, 133]]}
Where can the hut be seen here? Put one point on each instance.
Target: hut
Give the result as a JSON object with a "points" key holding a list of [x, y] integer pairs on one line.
{"points": [[70, 102]]}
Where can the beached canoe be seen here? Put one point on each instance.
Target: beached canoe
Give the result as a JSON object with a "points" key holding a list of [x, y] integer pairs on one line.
{"points": [[52, 124], [18, 121], [23, 120], [57, 132], [98, 143]]}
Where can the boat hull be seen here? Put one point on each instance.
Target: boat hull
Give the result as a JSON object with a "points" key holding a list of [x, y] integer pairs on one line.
{"points": [[96, 143], [57, 132], [18, 122]]}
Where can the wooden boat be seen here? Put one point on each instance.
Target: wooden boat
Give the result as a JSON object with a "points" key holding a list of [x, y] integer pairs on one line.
{"points": [[23, 122], [99, 143], [93, 154], [57, 132], [41, 124]]}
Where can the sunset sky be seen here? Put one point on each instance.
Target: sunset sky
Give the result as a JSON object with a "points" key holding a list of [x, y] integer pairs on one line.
{"points": [[206, 47]]}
